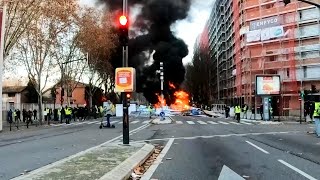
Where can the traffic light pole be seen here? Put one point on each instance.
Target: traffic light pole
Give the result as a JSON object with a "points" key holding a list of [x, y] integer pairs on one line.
{"points": [[124, 97]]}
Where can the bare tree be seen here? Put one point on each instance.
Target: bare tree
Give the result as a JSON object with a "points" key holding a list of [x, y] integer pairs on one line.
{"points": [[95, 82], [19, 16], [38, 43], [96, 25]]}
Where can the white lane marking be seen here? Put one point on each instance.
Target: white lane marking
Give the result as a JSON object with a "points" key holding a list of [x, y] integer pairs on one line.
{"points": [[246, 123], [223, 135], [120, 122], [50, 166], [190, 122], [98, 123], [222, 122], [257, 147], [56, 125], [113, 122], [179, 122], [145, 122], [235, 123], [81, 123], [155, 165], [297, 170], [134, 122], [211, 122], [201, 122]]}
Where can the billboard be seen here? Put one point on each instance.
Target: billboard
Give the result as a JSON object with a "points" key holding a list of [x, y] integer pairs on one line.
{"points": [[265, 23], [267, 84], [125, 79]]}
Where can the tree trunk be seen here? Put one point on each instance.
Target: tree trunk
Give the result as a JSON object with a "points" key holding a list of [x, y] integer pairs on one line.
{"points": [[40, 108], [90, 100]]}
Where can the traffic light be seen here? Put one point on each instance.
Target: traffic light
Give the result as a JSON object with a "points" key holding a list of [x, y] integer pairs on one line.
{"points": [[286, 2], [123, 30], [128, 98]]}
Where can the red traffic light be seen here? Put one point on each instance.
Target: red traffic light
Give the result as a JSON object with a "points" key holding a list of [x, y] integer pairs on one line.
{"points": [[128, 95], [123, 20]]}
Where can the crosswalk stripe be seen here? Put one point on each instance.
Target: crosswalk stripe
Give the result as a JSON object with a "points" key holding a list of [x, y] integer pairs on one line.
{"points": [[179, 122], [81, 123], [113, 122], [201, 122], [222, 122], [120, 122], [145, 122], [246, 123], [190, 122], [134, 122], [211, 122], [235, 123]]}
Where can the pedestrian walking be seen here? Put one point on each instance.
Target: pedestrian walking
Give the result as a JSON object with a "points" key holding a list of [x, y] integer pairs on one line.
{"points": [[316, 116], [261, 111], [245, 110], [237, 110]]}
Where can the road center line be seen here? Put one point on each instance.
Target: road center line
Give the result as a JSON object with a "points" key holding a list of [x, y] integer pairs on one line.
{"points": [[297, 170], [155, 165], [257, 147], [219, 135]]}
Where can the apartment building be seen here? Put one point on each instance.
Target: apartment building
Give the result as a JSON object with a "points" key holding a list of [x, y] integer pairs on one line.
{"points": [[251, 37], [282, 40]]}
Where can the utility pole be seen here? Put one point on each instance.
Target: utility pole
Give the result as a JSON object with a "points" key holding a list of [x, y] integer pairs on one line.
{"points": [[161, 80], [125, 95]]}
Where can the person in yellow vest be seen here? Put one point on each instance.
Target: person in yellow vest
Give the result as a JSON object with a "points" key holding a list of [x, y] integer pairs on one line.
{"points": [[237, 111], [68, 112], [316, 116]]}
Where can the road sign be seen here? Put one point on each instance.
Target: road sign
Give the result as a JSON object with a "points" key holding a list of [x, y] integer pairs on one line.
{"points": [[162, 115], [125, 79]]}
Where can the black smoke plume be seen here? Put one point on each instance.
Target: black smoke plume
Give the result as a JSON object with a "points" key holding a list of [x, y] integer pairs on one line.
{"points": [[154, 22]]}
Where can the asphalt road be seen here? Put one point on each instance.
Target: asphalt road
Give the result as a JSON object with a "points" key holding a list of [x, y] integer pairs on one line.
{"points": [[199, 151], [31, 149]]}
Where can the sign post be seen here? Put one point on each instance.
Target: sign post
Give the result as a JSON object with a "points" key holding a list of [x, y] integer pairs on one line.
{"points": [[125, 83]]}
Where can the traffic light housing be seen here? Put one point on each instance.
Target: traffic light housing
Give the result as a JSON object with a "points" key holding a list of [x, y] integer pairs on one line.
{"points": [[123, 30], [128, 99], [286, 2]]}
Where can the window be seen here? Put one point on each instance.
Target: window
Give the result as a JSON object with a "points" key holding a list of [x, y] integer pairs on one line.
{"points": [[272, 58], [288, 72], [305, 72], [11, 94]]}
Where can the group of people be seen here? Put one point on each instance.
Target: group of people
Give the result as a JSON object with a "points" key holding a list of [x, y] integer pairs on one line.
{"points": [[27, 116], [237, 111]]}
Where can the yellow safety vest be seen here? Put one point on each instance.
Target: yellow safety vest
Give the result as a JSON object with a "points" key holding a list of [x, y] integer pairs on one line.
{"points": [[14, 114], [237, 109], [316, 111], [68, 112]]}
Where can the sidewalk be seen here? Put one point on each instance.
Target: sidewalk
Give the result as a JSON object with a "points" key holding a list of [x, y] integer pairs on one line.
{"points": [[106, 161], [32, 127]]}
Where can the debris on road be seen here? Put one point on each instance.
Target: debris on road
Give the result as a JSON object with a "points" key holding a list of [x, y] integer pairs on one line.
{"points": [[140, 170]]}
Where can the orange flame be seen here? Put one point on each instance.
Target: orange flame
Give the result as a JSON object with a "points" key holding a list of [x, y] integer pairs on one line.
{"points": [[172, 85], [182, 101], [161, 102]]}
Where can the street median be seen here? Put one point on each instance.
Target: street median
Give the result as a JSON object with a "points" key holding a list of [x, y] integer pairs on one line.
{"points": [[110, 161]]}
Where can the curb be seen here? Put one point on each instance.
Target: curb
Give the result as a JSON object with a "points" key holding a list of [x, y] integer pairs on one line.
{"points": [[124, 170]]}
